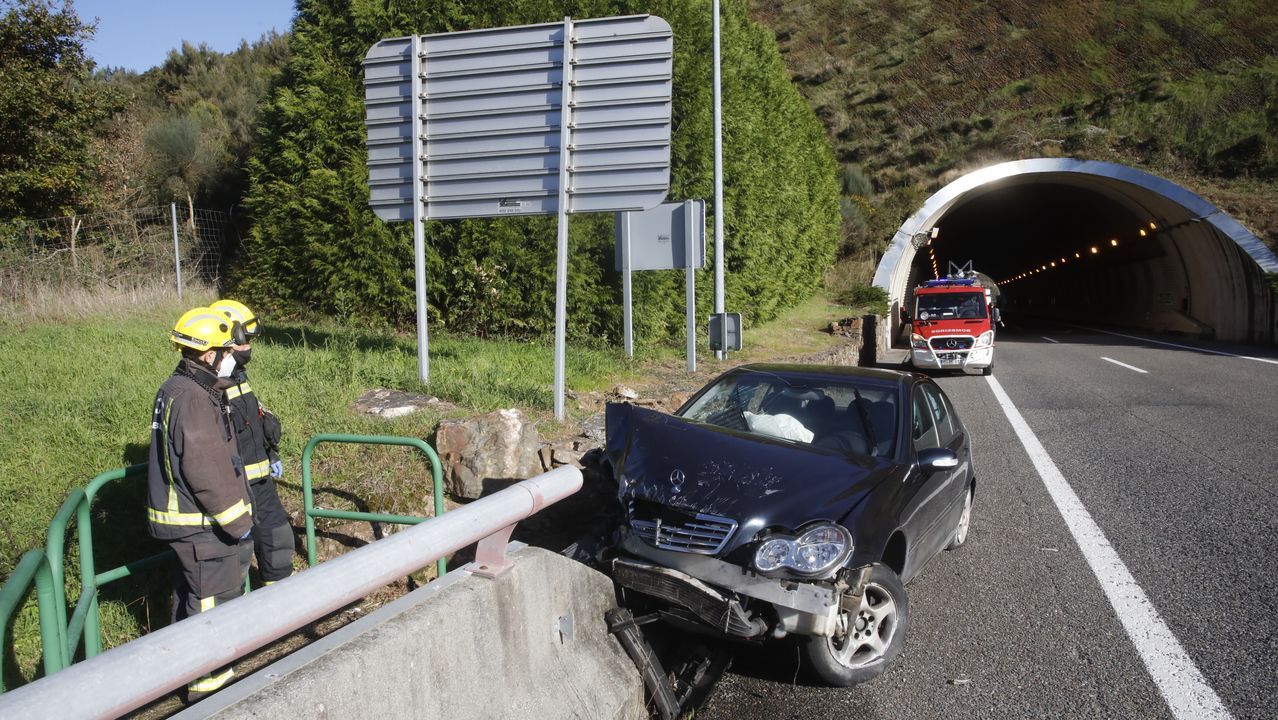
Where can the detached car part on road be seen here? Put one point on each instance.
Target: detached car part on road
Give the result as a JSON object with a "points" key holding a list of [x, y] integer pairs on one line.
{"points": [[790, 499]]}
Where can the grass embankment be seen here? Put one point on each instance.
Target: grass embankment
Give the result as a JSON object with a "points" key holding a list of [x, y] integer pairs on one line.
{"points": [[914, 93], [81, 376]]}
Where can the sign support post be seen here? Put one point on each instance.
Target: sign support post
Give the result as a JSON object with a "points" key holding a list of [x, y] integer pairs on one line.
{"points": [[627, 296], [718, 187], [419, 215], [561, 254], [690, 218]]}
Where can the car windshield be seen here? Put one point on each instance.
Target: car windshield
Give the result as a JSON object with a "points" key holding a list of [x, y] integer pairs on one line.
{"points": [[948, 306], [837, 413]]}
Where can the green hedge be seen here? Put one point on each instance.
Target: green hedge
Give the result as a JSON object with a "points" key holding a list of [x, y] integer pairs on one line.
{"points": [[315, 245]]}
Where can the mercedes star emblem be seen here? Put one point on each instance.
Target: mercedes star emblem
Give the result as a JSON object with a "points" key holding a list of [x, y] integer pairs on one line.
{"points": [[676, 480]]}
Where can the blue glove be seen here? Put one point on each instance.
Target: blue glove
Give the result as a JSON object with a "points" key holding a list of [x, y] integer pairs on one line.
{"points": [[277, 469], [246, 534]]}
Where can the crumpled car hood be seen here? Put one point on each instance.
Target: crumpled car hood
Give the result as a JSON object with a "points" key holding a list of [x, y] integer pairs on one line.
{"points": [[755, 480]]}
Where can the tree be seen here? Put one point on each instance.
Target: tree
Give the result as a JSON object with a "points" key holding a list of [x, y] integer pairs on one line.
{"points": [[50, 106]]}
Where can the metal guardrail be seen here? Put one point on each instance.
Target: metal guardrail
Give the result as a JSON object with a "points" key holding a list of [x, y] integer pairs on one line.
{"points": [[129, 676], [308, 494]]}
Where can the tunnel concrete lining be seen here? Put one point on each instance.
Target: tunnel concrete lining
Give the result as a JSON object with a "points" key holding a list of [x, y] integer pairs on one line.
{"points": [[1210, 266]]}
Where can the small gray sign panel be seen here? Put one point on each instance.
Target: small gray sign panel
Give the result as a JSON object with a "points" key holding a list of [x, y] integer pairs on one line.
{"points": [[732, 341], [659, 237]]}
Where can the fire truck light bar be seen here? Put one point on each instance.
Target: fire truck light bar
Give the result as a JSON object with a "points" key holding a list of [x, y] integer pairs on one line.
{"points": [[948, 281]]}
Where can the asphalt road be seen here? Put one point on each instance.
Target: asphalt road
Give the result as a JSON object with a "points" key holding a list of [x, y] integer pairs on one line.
{"points": [[1177, 466]]}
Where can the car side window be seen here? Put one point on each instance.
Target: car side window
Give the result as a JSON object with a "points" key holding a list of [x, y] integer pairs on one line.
{"points": [[944, 430], [924, 423]]}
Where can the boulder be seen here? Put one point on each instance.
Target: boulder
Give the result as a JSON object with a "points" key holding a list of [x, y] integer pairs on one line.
{"points": [[487, 453]]}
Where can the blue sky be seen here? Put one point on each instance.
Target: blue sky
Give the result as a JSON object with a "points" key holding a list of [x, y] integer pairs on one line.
{"points": [[138, 34]]}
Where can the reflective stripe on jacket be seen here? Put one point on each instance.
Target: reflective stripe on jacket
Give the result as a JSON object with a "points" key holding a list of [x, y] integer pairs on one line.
{"points": [[257, 431], [195, 478]]}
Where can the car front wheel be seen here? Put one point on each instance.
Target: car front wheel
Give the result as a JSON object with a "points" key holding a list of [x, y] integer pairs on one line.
{"points": [[964, 521], [867, 639]]}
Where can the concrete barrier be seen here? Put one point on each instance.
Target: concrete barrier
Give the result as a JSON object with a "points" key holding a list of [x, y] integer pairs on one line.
{"points": [[530, 643]]}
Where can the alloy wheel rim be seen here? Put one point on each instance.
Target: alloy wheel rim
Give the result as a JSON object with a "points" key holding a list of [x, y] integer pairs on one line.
{"points": [[965, 519], [865, 636]]}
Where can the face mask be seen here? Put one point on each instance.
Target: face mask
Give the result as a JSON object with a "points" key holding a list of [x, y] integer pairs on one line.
{"points": [[242, 356], [227, 367]]}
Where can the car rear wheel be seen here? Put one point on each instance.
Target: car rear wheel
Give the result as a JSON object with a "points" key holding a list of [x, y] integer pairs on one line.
{"points": [[964, 521], [867, 639]]}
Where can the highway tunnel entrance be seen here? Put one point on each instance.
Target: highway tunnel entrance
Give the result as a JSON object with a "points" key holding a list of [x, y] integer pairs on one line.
{"points": [[1094, 243]]}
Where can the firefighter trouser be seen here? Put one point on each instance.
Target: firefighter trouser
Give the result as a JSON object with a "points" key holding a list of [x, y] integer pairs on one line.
{"points": [[272, 533], [210, 572]]}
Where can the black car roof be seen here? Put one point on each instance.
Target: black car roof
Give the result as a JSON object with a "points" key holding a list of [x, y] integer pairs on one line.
{"points": [[832, 371]]}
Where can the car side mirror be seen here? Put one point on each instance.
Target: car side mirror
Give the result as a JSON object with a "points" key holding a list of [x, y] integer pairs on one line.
{"points": [[996, 315], [933, 459]]}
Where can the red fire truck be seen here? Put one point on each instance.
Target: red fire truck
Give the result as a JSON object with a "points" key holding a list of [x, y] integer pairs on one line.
{"points": [[953, 325]]}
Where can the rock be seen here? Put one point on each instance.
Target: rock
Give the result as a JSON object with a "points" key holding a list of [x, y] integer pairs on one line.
{"points": [[625, 393], [489, 452], [677, 399], [389, 404], [593, 428]]}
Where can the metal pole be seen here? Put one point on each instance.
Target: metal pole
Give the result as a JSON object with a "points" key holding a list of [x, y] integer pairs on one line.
{"points": [[177, 256], [419, 221], [693, 223], [561, 257], [127, 677], [627, 297], [718, 190]]}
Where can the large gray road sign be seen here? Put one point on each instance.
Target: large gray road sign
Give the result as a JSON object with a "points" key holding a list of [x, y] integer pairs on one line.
{"points": [[557, 118], [490, 113]]}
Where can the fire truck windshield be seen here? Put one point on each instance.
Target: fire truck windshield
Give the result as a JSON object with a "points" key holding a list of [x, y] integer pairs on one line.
{"points": [[951, 306]]}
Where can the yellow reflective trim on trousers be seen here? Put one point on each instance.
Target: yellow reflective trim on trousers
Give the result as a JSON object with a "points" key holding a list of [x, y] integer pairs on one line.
{"points": [[238, 390], [207, 604], [209, 683], [199, 519], [258, 470]]}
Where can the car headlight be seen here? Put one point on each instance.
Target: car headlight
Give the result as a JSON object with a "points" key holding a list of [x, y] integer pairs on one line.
{"points": [[918, 342], [816, 551], [985, 339]]}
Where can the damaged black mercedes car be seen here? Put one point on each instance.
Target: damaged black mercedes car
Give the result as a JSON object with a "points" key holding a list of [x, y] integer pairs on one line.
{"points": [[791, 500]]}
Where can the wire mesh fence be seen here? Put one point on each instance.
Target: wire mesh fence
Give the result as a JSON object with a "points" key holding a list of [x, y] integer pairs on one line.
{"points": [[119, 249]]}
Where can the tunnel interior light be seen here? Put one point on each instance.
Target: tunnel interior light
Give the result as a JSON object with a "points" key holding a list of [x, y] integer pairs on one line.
{"points": [[1062, 261], [1095, 249], [1077, 255], [1053, 263], [1142, 232], [1114, 241], [1152, 226]]}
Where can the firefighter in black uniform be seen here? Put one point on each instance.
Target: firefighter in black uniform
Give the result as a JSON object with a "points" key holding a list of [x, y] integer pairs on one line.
{"points": [[258, 436], [197, 493]]}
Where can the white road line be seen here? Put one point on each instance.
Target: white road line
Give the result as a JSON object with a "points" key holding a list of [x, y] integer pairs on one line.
{"points": [[1129, 367], [1182, 347], [1179, 681], [1049, 339]]}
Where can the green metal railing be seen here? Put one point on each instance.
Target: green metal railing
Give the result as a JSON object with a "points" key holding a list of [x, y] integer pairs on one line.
{"points": [[61, 637], [33, 567], [308, 495]]}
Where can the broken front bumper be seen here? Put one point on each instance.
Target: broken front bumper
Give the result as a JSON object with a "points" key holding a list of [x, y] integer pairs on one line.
{"points": [[712, 590]]}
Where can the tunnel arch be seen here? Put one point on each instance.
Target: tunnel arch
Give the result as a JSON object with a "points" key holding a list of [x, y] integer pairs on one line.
{"points": [[1177, 262]]}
